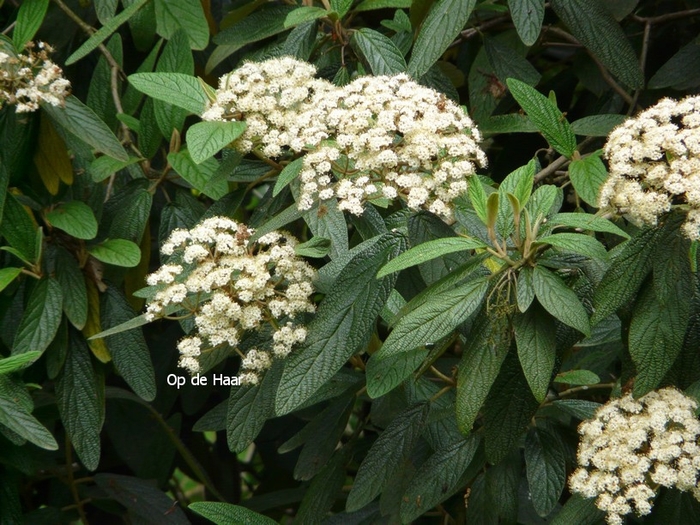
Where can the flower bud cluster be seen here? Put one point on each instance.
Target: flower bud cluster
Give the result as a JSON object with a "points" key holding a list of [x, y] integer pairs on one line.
{"points": [[30, 78], [376, 138], [231, 285], [634, 446], [655, 164]]}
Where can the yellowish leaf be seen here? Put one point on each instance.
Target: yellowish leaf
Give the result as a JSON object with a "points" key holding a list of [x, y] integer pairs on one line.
{"points": [[93, 325], [51, 158]]}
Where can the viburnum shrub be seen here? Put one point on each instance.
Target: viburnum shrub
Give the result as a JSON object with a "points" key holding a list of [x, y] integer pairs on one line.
{"points": [[349, 261]]}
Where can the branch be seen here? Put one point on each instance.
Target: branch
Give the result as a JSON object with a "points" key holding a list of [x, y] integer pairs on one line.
{"points": [[665, 18]]}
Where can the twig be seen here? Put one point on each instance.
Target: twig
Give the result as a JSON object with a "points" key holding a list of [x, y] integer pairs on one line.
{"points": [[665, 18], [642, 64], [550, 168], [71, 481], [603, 70], [9, 28], [473, 31]]}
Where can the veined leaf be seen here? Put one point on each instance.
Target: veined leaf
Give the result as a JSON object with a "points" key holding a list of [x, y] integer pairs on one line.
{"points": [[205, 139], [545, 460], [316, 247], [19, 229], [596, 29], [29, 18], [18, 418], [227, 514], [257, 26], [384, 374], [178, 89], [588, 222], [289, 173], [578, 408], [201, 176], [510, 123], [560, 300], [7, 275], [578, 377], [428, 251], [588, 175], [527, 16], [576, 243], [118, 252], [546, 116], [72, 282], [477, 196], [75, 218], [580, 511], [525, 291], [535, 336], [182, 15], [597, 125], [369, 5], [385, 456], [17, 362], [41, 318], [304, 14], [103, 33], [441, 26], [380, 52], [51, 157], [508, 63], [681, 71]]}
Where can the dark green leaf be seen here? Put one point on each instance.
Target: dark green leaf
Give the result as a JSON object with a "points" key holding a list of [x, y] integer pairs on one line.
{"points": [[227, 514], [576, 243], [104, 32], [481, 361], [508, 63], [80, 402], [546, 116], [301, 41], [317, 247], [177, 89], [105, 9], [596, 29], [41, 318], [535, 336], [257, 26], [383, 375], [588, 175], [579, 408], [17, 417], [200, 175], [288, 174], [176, 15], [545, 460], [75, 218], [104, 167], [175, 58], [588, 222], [18, 229], [323, 490], [342, 325], [7, 275], [369, 5], [579, 511], [29, 18], [478, 198], [385, 456], [69, 276], [118, 252], [81, 121], [441, 26], [303, 14], [380, 52], [597, 125], [428, 251], [527, 16], [511, 123], [525, 289], [205, 139], [578, 377], [560, 300], [681, 71]]}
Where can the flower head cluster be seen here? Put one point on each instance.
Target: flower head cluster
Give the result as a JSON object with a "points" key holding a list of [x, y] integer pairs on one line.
{"points": [[632, 447], [375, 138], [232, 285], [655, 164], [30, 78]]}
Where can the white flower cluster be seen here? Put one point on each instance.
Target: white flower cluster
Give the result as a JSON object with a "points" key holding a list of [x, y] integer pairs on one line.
{"points": [[30, 78], [632, 447], [232, 285], [375, 138], [655, 163]]}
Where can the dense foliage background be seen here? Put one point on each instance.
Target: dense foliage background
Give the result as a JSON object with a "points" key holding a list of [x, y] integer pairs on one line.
{"points": [[448, 392]]}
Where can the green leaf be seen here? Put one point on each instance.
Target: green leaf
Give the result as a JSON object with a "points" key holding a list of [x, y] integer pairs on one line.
{"points": [[588, 222], [227, 514], [560, 300], [481, 361], [257, 26], [535, 336], [477, 197], [81, 121], [380, 52], [175, 58], [129, 350], [681, 71], [75, 218], [384, 374], [79, 402], [178, 89], [386, 455], [342, 326], [104, 167], [428, 251], [578, 377], [324, 489], [118, 252], [596, 29], [137, 321], [41, 318], [438, 478], [631, 263], [597, 125], [288, 174], [579, 511], [304, 14], [202, 175], [18, 362], [248, 409], [527, 16], [7, 275], [510, 123], [175, 15], [434, 318], [369, 5], [316, 247], [205, 139], [29, 18], [588, 175], [17, 417], [525, 289], [104, 32], [546, 116], [543, 201], [545, 460], [19, 229], [579, 408], [441, 26], [69, 276], [508, 63], [576, 243], [105, 9]]}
